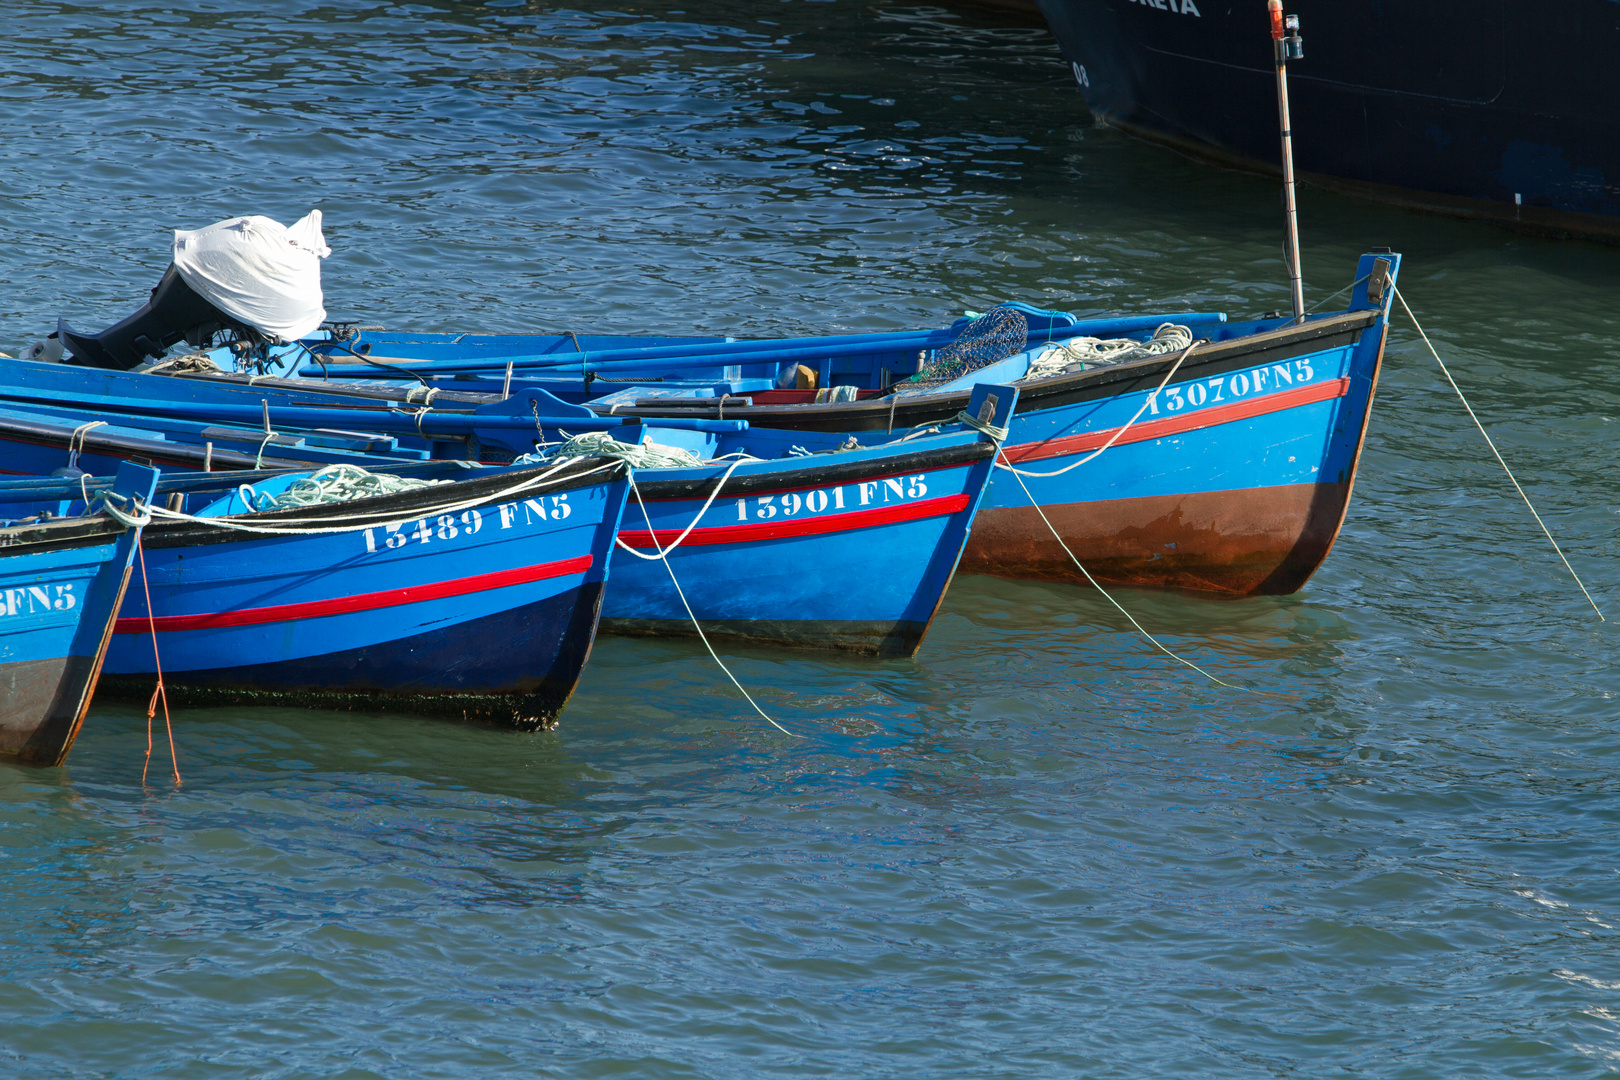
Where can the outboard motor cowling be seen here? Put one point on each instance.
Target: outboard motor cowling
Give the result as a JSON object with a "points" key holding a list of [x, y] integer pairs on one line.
{"points": [[175, 312], [252, 276]]}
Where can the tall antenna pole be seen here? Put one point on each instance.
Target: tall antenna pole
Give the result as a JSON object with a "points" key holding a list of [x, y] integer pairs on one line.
{"points": [[1286, 44]]}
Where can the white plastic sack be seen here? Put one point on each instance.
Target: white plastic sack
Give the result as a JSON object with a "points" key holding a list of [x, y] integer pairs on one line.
{"points": [[259, 271]]}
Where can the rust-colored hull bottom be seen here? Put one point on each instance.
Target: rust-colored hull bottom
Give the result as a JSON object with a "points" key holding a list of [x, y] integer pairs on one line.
{"points": [[1250, 542], [41, 704]]}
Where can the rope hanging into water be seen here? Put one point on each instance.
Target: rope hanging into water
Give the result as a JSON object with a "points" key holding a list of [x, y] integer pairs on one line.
{"points": [[713, 495], [159, 691], [1003, 463], [651, 455], [1499, 460], [663, 555], [999, 434], [1106, 595]]}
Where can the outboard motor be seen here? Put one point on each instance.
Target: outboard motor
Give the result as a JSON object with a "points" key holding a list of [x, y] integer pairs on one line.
{"points": [[174, 312], [251, 276]]}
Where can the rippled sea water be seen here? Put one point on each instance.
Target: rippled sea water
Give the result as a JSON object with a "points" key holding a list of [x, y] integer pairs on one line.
{"points": [[1039, 849]]}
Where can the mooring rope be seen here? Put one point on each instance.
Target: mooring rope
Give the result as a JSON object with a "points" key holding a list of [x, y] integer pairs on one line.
{"points": [[1003, 463], [1106, 596], [76, 441], [112, 502], [159, 691], [713, 495], [1333, 296], [1499, 459], [663, 555], [999, 434]]}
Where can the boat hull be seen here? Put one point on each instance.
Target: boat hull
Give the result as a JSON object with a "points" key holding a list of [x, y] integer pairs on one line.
{"points": [[1238, 499], [1233, 481], [1507, 111], [485, 613], [50, 657], [60, 586], [1248, 542], [807, 552]]}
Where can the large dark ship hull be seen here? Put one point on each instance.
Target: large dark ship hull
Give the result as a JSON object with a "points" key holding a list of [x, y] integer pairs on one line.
{"points": [[1505, 110]]}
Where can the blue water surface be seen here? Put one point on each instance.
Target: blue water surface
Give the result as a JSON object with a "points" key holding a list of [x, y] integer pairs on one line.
{"points": [[1039, 849]]}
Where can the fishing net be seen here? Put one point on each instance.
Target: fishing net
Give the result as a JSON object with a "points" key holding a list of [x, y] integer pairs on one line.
{"points": [[645, 455], [997, 334], [333, 484]]}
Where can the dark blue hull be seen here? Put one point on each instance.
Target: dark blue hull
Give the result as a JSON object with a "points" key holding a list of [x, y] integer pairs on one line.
{"points": [[532, 654], [476, 600], [1505, 110], [61, 582]]}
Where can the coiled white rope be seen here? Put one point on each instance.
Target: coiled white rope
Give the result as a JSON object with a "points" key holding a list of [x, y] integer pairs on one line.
{"points": [[1499, 460], [1003, 463], [1077, 354], [645, 455], [334, 484]]}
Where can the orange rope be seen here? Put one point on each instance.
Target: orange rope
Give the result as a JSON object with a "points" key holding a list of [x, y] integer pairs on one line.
{"points": [[158, 691]]}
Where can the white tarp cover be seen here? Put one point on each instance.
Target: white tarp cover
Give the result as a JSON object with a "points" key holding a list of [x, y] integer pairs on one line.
{"points": [[259, 271]]}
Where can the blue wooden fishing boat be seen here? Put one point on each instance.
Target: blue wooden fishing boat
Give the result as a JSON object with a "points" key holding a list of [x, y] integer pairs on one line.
{"points": [[848, 547], [473, 599], [1225, 467], [1227, 470], [922, 539], [61, 581]]}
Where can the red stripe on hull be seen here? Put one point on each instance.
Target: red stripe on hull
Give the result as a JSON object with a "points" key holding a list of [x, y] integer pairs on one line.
{"points": [[777, 530], [344, 605], [1176, 425]]}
